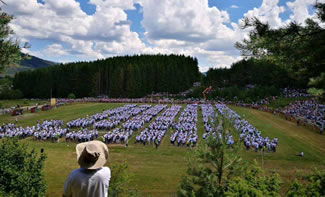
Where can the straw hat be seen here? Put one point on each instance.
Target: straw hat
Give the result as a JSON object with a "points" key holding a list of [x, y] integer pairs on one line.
{"points": [[92, 155]]}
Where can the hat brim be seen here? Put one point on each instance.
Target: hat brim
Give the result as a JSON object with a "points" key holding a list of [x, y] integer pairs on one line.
{"points": [[100, 162]]}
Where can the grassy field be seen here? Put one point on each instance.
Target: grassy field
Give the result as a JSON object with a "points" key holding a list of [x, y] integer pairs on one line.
{"points": [[21, 102], [282, 102], [157, 172], [292, 140]]}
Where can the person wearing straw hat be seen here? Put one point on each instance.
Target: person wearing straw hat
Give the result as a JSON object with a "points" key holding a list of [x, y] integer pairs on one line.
{"points": [[92, 178]]}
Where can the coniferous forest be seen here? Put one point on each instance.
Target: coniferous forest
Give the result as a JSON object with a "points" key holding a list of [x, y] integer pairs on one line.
{"points": [[129, 76]]}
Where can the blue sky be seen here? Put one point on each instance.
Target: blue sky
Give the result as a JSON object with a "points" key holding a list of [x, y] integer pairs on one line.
{"points": [[77, 30]]}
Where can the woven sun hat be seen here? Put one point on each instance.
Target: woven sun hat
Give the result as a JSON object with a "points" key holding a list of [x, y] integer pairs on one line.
{"points": [[92, 155]]}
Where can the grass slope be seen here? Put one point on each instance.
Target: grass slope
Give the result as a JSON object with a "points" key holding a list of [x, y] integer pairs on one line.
{"points": [[292, 140], [282, 102], [157, 172]]}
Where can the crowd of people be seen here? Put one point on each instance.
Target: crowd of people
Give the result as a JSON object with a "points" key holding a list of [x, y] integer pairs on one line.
{"points": [[158, 99], [122, 115], [294, 93], [146, 117], [82, 135], [116, 136], [308, 111], [305, 111], [185, 129], [212, 128], [12, 130], [134, 118], [249, 135], [158, 128], [80, 122], [101, 117], [48, 129], [128, 127]]}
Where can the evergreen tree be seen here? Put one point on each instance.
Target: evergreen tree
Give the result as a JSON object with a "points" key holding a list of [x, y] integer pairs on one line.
{"points": [[314, 185], [217, 170], [297, 48], [129, 76]]}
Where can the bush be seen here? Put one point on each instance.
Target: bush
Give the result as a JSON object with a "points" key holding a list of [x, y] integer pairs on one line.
{"points": [[21, 171], [16, 94], [71, 96], [315, 185], [120, 183]]}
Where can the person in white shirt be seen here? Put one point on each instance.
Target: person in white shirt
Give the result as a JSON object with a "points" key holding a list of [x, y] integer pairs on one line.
{"points": [[92, 178]]}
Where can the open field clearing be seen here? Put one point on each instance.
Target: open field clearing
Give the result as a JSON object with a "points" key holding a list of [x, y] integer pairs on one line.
{"points": [[21, 102], [158, 171]]}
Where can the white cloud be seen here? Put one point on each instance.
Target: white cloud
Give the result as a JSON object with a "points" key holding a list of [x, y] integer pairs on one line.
{"points": [[268, 12], [187, 27], [55, 50], [63, 22], [300, 11], [125, 4], [193, 29], [187, 20]]}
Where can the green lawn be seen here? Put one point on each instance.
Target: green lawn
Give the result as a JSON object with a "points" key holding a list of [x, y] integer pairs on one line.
{"points": [[292, 140], [282, 102], [158, 171], [21, 102]]}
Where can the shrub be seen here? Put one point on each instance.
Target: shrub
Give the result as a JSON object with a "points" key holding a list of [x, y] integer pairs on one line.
{"points": [[21, 171], [120, 183], [71, 96], [314, 186]]}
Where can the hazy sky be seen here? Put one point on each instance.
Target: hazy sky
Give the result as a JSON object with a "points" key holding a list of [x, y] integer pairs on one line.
{"points": [[74, 30]]}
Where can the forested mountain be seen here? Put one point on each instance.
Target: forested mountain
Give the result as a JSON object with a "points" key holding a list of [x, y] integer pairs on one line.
{"points": [[27, 63], [128, 76]]}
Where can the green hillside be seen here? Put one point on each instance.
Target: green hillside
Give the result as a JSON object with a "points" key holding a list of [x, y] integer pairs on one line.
{"points": [[28, 63]]}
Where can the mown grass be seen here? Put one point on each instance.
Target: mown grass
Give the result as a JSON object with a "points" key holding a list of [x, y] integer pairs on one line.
{"points": [[292, 140], [282, 102], [157, 172], [21, 102]]}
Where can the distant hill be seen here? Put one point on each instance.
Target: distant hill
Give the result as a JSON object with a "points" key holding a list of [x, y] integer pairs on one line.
{"points": [[29, 63], [35, 62]]}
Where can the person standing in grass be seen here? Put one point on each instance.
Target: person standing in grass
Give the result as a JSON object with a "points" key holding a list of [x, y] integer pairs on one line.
{"points": [[126, 140], [92, 178]]}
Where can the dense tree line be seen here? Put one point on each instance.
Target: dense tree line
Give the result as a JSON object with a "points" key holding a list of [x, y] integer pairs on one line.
{"points": [[247, 80], [250, 72], [6, 91], [128, 76]]}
